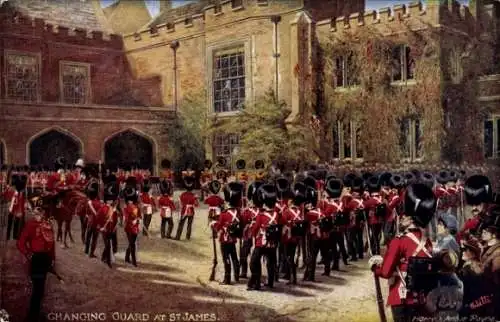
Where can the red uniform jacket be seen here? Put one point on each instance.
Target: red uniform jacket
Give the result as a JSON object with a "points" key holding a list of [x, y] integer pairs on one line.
{"points": [[453, 197], [53, 182], [332, 207], [370, 204], [188, 202], [214, 203], [313, 217], [290, 216], [17, 203], [320, 184], [167, 206], [107, 218], [93, 207], [281, 205], [37, 237], [470, 224], [442, 195], [396, 258], [351, 207], [147, 203], [132, 215], [393, 201], [226, 218], [249, 216], [262, 221], [206, 177]]}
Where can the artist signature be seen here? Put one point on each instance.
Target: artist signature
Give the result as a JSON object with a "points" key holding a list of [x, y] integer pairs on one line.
{"points": [[472, 318]]}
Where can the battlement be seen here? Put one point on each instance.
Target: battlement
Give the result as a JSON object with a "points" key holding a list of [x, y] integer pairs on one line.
{"points": [[447, 11], [21, 24]]}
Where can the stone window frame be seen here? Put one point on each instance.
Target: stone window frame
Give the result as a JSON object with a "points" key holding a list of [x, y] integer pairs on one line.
{"points": [[231, 146], [38, 56], [348, 81], [88, 94], [227, 45], [414, 125], [339, 141], [495, 137], [404, 64]]}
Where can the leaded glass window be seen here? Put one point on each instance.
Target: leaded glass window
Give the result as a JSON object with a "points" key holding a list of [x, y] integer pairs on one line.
{"points": [[22, 75], [75, 81], [225, 145], [229, 80]]}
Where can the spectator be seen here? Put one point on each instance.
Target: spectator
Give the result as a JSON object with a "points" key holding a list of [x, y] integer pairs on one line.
{"points": [[446, 229]]}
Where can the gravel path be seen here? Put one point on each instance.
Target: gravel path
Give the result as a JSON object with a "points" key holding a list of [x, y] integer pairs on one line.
{"points": [[172, 277]]}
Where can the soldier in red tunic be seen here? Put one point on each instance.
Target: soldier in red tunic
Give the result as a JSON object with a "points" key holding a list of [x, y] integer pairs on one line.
{"points": [[92, 221], [36, 243], [92, 191], [108, 220], [376, 209], [294, 229], [17, 204], [148, 206], [266, 234], [167, 208], [394, 203], [229, 228], [214, 202], [205, 179], [420, 206], [133, 216], [357, 218], [248, 219], [188, 203], [283, 193]]}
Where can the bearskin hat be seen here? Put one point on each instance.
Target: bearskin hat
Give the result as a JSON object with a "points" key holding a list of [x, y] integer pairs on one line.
{"points": [[267, 195], [410, 178], [397, 182], [21, 181], [416, 173], [252, 192], [233, 192], [366, 175], [92, 190], [189, 182], [320, 174], [146, 186], [348, 178], [131, 181], [357, 185], [214, 186], [454, 176], [443, 177], [299, 193], [420, 204], [311, 196], [111, 191], [282, 186], [478, 190], [334, 188], [60, 163], [310, 181], [166, 187], [130, 194], [373, 185], [428, 179]]}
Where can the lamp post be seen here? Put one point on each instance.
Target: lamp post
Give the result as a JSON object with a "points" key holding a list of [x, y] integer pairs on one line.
{"points": [[275, 20], [175, 45]]}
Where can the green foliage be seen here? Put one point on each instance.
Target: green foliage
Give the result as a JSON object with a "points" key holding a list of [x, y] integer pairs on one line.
{"points": [[267, 133]]}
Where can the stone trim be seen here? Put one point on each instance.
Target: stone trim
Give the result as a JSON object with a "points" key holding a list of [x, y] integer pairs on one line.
{"points": [[90, 106], [79, 120]]}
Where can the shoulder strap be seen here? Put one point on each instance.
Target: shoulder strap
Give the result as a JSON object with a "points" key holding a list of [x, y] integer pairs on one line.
{"points": [[296, 214], [234, 214], [271, 218], [420, 245]]}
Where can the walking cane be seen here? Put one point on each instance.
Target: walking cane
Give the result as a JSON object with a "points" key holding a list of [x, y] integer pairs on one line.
{"points": [[380, 300]]}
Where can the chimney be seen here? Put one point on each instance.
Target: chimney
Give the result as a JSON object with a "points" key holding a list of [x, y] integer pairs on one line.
{"points": [[165, 5]]}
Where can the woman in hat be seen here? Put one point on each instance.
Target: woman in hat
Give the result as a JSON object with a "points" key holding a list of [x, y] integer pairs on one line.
{"points": [[446, 229]]}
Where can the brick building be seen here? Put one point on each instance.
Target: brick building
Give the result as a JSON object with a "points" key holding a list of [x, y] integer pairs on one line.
{"points": [[67, 90]]}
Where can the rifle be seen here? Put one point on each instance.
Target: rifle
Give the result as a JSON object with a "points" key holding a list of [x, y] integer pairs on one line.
{"points": [[214, 265], [380, 300]]}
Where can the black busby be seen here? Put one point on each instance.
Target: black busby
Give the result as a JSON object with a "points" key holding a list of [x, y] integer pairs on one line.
{"points": [[420, 204], [428, 179], [189, 183], [60, 163], [416, 173], [166, 164], [334, 188], [410, 178], [397, 181], [252, 193], [443, 177], [454, 176], [310, 181], [241, 164], [214, 186], [267, 195], [166, 187], [478, 190], [311, 196], [130, 194], [299, 193], [385, 179], [348, 178], [320, 174], [146, 186], [21, 182], [233, 192], [373, 185], [111, 191], [357, 185], [92, 190], [259, 164], [366, 175], [282, 187]]}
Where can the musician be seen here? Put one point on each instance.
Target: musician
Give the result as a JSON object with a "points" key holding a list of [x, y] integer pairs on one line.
{"points": [[478, 195], [92, 219], [394, 203], [294, 229], [357, 218], [132, 217], [376, 210], [283, 193], [248, 218], [37, 244], [266, 234], [214, 202], [229, 228], [147, 206], [334, 207], [92, 192], [419, 207], [205, 178], [188, 202], [167, 207], [108, 221]]}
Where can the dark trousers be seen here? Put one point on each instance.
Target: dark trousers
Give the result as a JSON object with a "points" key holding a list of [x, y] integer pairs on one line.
{"points": [[164, 222], [180, 228], [407, 313], [114, 241], [291, 268], [337, 243], [245, 249], [389, 231], [303, 249], [355, 242], [14, 224], [83, 225], [256, 266], [91, 240], [131, 249], [147, 222], [40, 267], [315, 246], [281, 263], [106, 253], [229, 255], [376, 234]]}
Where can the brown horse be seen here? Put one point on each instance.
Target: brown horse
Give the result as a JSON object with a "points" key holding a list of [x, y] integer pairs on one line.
{"points": [[71, 203]]}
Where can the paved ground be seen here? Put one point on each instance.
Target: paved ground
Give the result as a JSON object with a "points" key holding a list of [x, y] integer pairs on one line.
{"points": [[172, 277]]}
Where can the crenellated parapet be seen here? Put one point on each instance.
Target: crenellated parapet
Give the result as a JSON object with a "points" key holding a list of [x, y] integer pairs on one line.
{"points": [[17, 23]]}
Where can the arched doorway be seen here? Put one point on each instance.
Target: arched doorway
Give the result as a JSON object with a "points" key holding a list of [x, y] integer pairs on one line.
{"points": [[44, 149], [130, 149]]}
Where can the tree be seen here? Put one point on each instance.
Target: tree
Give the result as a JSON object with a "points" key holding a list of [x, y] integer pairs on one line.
{"points": [[266, 132]]}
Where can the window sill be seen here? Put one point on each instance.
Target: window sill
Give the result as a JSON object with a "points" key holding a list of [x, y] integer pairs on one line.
{"points": [[347, 88], [226, 114], [348, 160], [404, 83]]}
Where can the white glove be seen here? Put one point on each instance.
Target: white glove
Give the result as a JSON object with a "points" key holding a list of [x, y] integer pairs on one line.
{"points": [[375, 260]]}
